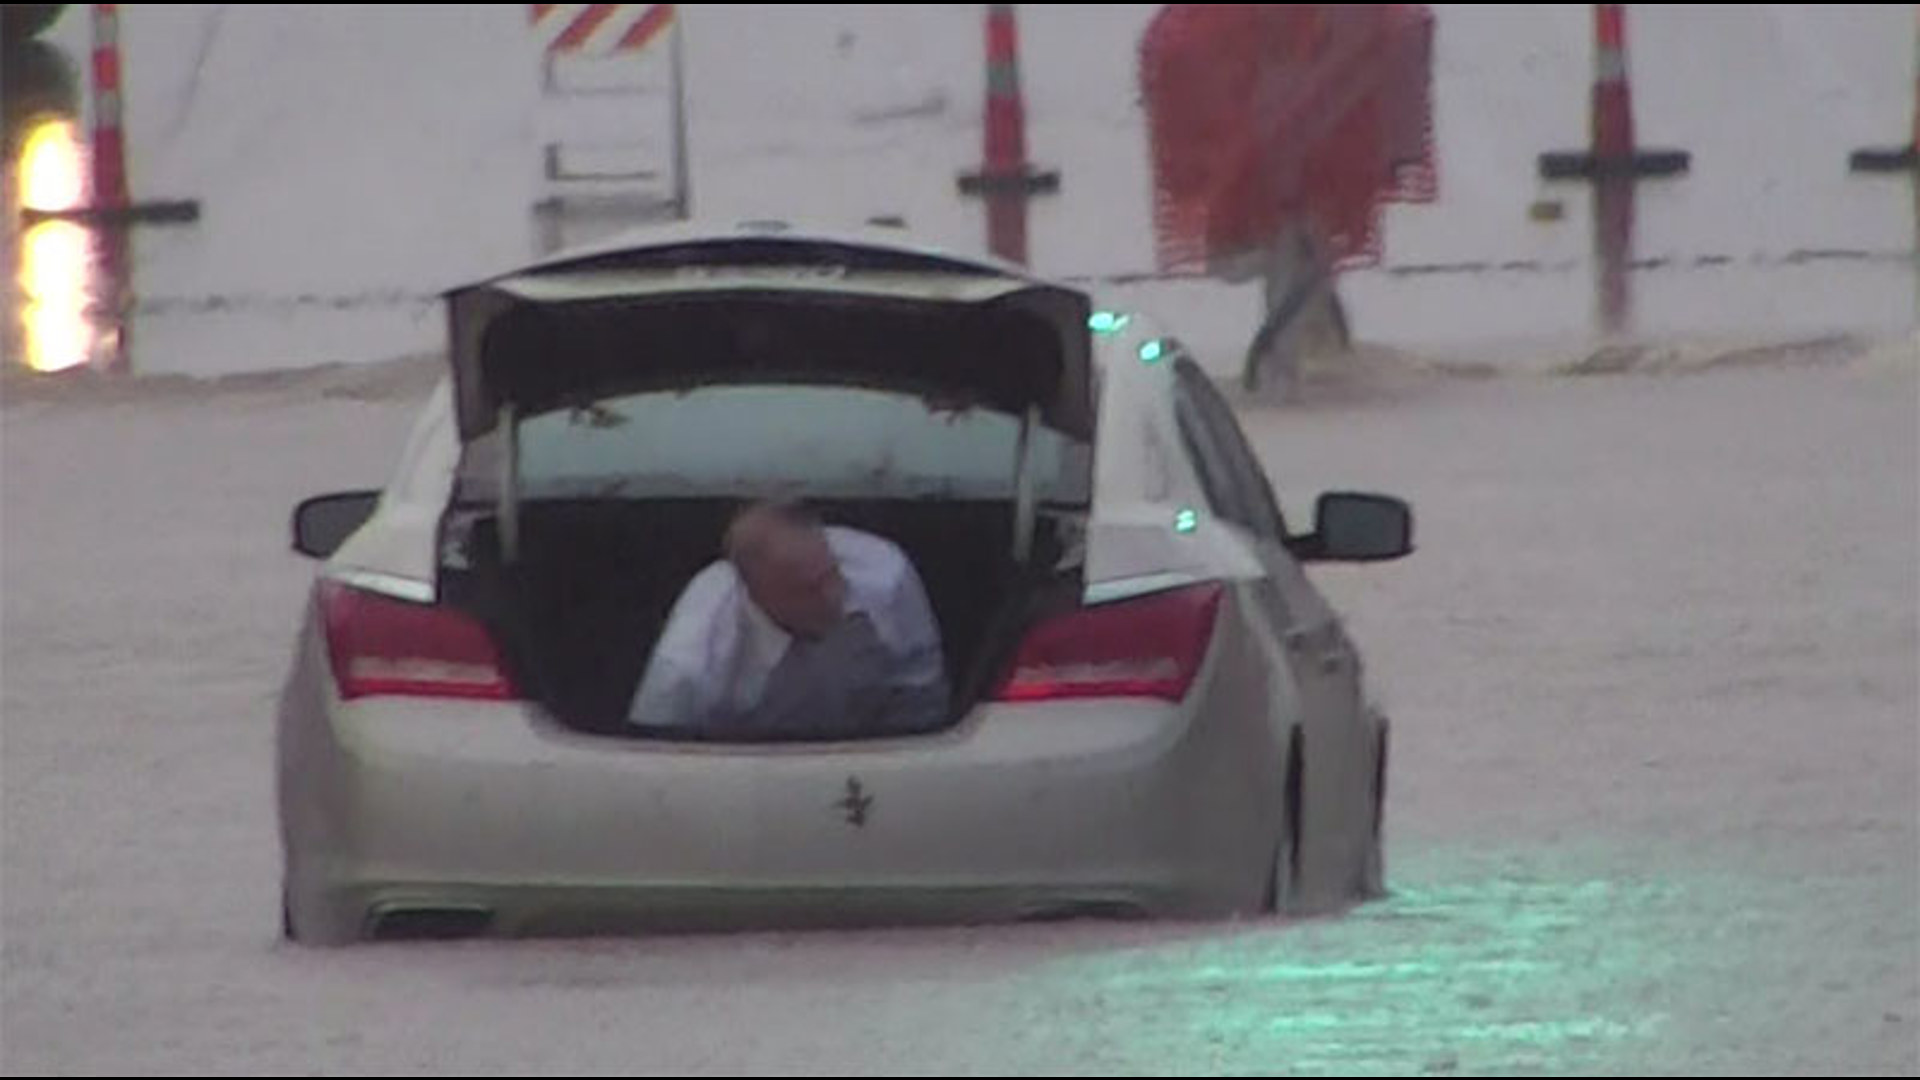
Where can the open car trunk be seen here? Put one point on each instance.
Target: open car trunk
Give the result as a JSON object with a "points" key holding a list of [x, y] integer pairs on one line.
{"points": [[579, 612], [558, 338], [614, 412]]}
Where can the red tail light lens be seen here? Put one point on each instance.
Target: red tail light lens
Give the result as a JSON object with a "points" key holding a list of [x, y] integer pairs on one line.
{"points": [[385, 646], [1149, 647]]}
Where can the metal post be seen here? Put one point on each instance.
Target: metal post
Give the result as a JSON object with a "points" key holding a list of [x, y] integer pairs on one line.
{"points": [[110, 187], [1613, 152], [682, 181]]}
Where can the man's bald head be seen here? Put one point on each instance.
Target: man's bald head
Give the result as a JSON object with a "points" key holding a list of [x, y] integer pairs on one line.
{"points": [[760, 525], [781, 552]]}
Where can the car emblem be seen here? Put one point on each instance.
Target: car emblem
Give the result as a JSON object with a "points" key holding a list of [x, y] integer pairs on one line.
{"points": [[855, 803]]}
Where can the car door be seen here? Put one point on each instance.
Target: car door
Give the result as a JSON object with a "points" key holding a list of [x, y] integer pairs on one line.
{"points": [[1338, 770]]}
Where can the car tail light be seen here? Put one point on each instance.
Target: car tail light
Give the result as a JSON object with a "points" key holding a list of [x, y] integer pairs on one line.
{"points": [[1149, 647], [384, 646]]}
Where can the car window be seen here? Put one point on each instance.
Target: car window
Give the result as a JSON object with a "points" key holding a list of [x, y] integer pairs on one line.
{"points": [[804, 440], [1253, 492], [1209, 461]]}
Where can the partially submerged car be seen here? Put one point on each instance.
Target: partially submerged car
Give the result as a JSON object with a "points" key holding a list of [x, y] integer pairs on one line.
{"points": [[1154, 712]]}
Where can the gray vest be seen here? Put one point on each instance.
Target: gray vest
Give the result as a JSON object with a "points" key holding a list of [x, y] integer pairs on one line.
{"points": [[840, 686]]}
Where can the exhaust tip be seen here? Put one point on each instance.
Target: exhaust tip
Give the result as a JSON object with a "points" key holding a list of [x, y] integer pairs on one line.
{"points": [[430, 923], [1089, 910]]}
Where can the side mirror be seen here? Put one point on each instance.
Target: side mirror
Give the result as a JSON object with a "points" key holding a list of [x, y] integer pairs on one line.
{"points": [[321, 524], [1352, 527]]}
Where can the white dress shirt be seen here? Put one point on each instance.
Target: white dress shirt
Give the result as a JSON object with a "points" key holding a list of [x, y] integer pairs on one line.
{"points": [[723, 666]]}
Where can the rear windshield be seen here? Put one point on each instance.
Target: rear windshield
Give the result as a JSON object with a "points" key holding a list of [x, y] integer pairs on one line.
{"points": [[800, 440]]}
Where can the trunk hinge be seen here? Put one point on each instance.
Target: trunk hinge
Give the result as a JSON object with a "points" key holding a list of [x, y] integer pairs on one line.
{"points": [[1025, 499], [509, 509]]}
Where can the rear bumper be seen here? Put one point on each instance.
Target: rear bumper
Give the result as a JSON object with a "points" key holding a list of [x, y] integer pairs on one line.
{"points": [[492, 818]]}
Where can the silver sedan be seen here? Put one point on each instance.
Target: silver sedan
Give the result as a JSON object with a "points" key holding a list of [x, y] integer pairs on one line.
{"points": [[1155, 712]]}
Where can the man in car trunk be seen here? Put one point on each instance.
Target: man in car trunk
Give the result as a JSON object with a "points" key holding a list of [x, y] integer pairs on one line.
{"points": [[803, 631]]}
